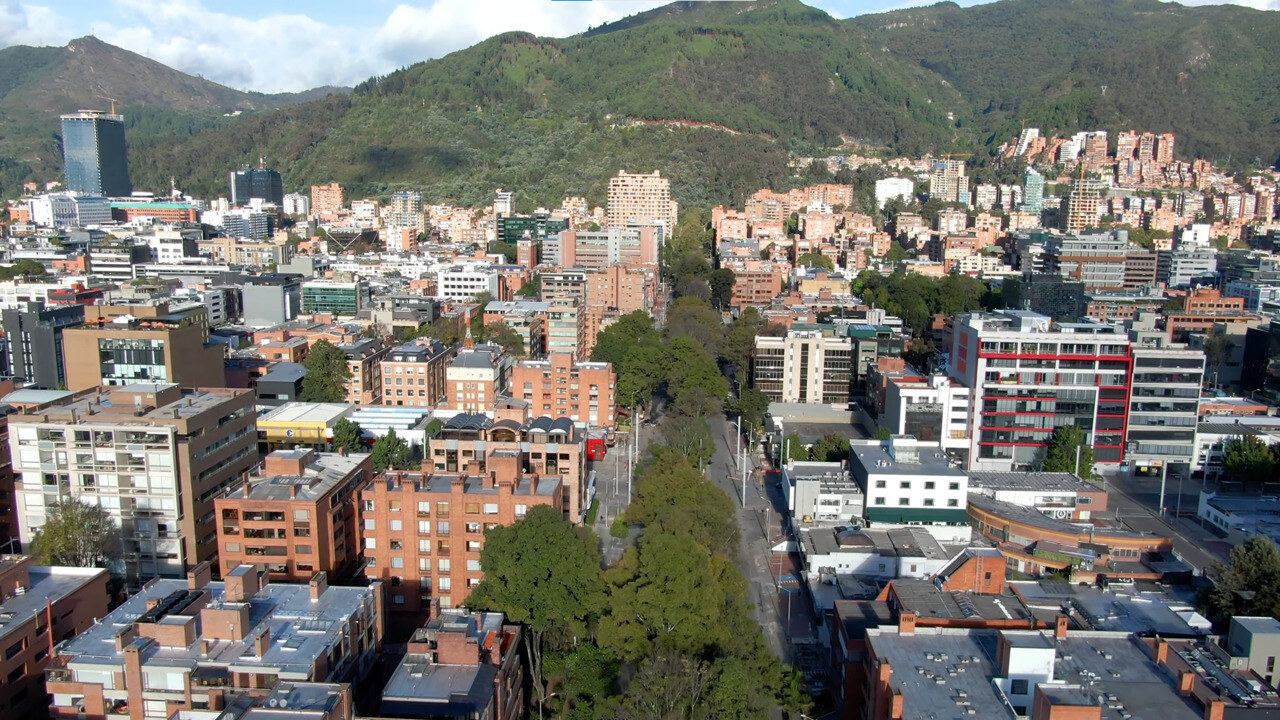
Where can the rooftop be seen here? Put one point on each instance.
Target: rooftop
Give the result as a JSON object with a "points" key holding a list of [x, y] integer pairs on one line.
{"points": [[547, 486], [285, 372], [1037, 481], [139, 403], [324, 473], [902, 457], [1139, 608], [46, 585], [928, 602], [301, 630], [299, 412]]}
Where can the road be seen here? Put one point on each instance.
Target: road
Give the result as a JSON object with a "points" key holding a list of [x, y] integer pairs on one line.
{"points": [[755, 558], [611, 492], [1134, 500]]}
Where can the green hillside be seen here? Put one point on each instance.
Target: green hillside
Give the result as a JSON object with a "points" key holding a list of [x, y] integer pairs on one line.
{"points": [[720, 95], [37, 84]]}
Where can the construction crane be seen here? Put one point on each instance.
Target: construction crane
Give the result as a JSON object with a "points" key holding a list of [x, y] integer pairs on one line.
{"points": [[112, 100]]}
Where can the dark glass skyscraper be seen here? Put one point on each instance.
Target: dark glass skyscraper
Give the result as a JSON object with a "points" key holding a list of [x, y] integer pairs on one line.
{"points": [[93, 153], [262, 183]]}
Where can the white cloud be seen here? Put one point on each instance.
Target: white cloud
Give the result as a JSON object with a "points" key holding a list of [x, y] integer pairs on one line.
{"points": [[30, 25], [283, 51]]}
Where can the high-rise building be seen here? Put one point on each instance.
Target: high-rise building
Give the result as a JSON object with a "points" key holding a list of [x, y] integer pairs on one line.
{"points": [[153, 455], [94, 155], [259, 183], [1032, 191], [1095, 259], [566, 327], [504, 202], [641, 199], [296, 204], [1083, 205], [1164, 399], [1029, 375], [406, 211], [948, 182]]}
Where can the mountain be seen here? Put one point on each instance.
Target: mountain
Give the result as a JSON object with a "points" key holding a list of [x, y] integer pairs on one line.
{"points": [[720, 95], [1207, 73], [37, 84]]}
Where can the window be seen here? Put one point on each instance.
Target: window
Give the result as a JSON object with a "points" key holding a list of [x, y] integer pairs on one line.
{"points": [[521, 510], [905, 485], [929, 485], [442, 565], [371, 543], [424, 527], [474, 566], [1018, 687], [491, 508], [445, 584], [397, 563], [954, 486], [879, 501], [904, 501], [880, 483], [953, 503], [369, 524], [988, 577], [928, 502], [396, 526]]}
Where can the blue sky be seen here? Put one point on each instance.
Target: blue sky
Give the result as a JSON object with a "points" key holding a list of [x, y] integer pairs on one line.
{"points": [[284, 45]]}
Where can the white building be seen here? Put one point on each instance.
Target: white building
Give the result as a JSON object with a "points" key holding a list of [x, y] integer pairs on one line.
{"points": [[297, 204], [1257, 295], [821, 492], [60, 210], [504, 202], [806, 366], [241, 222], [172, 245], [889, 188], [1195, 235], [908, 482], [464, 282], [932, 410]]}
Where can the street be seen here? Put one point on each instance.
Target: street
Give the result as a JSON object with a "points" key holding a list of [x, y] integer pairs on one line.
{"points": [[611, 492], [1135, 501]]}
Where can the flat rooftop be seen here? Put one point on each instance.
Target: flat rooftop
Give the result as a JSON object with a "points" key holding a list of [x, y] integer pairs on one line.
{"points": [[1120, 608], [47, 585], [138, 403], [876, 459], [474, 485], [300, 412], [301, 630], [921, 664], [326, 472], [1032, 481], [928, 602]]}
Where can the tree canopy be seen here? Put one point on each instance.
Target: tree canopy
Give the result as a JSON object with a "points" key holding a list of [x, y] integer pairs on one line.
{"points": [[391, 452], [327, 374], [346, 436], [77, 534], [1248, 459], [1060, 456], [1248, 585]]}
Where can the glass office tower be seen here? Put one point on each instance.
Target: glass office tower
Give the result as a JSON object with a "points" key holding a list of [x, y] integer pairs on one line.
{"points": [[93, 153]]}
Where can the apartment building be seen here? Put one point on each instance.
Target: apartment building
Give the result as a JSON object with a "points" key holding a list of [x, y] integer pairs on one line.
{"points": [[464, 282], [562, 387], [243, 251], [948, 182], [1084, 205], [460, 664], [475, 377], [41, 606], [906, 481], [423, 532], [1164, 400], [930, 409], [413, 374], [565, 284], [296, 515], [364, 370], [327, 198], [806, 366], [756, 282], [544, 446], [1030, 375], [621, 288], [601, 248], [528, 319], [566, 328], [153, 455], [142, 343], [193, 644], [35, 337], [1096, 259], [641, 199]]}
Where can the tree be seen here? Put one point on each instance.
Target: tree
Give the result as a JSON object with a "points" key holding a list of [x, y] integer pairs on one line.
{"points": [[1217, 350], [690, 436], [544, 574], [390, 452], [77, 534], [815, 260], [752, 405], [1248, 585], [793, 448], [532, 287], [1060, 456], [1249, 460], [693, 367], [722, 282], [740, 341], [327, 374], [673, 498], [505, 336], [831, 447], [22, 269], [346, 436]]}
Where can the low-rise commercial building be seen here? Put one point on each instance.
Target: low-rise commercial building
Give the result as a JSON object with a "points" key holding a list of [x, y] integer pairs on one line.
{"points": [[909, 482]]}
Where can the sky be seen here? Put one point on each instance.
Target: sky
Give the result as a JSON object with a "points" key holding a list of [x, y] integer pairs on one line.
{"points": [[290, 45]]}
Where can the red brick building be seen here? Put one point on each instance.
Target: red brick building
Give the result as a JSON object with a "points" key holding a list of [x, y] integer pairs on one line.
{"points": [[296, 515], [560, 387]]}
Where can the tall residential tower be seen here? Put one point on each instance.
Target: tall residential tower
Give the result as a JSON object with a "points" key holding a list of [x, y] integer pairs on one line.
{"points": [[93, 154]]}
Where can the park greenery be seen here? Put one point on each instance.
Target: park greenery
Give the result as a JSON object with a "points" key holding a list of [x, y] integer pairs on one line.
{"points": [[665, 632]]}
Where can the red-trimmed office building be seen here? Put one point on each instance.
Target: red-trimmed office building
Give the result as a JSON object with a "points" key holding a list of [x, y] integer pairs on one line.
{"points": [[1031, 375]]}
